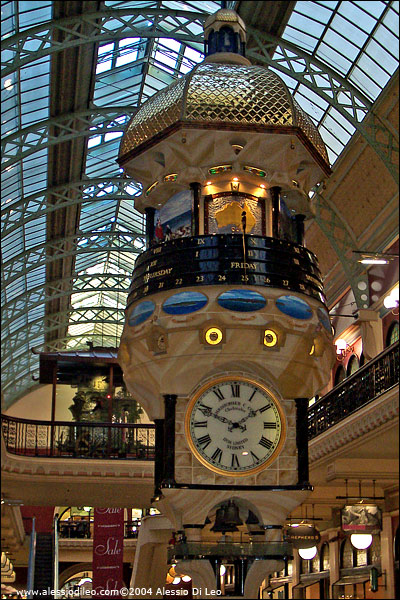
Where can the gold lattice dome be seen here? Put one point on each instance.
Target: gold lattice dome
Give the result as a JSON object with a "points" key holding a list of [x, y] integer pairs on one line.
{"points": [[222, 96]]}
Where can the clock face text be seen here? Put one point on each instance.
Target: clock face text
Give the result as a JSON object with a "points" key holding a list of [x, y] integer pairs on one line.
{"points": [[235, 427]]}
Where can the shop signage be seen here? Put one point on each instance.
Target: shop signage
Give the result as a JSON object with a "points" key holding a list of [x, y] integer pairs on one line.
{"points": [[108, 539], [302, 536], [361, 518]]}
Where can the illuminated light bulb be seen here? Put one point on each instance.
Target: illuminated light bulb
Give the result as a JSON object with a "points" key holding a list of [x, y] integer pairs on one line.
{"points": [[262, 186], [213, 336], [186, 578], [308, 553], [390, 302], [374, 261], [341, 345], [361, 541], [244, 453], [222, 570], [208, 182], [176, 580], [270, 338], [235, 179]]}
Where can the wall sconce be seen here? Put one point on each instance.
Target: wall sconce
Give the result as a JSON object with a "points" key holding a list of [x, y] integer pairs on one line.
{"points": [[343, 349], [392, 300], [374, 258]]}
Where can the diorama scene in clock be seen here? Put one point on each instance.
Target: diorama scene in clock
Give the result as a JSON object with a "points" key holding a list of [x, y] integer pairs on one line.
{"points": [[235, 426], [227, 213], [173, 220]]}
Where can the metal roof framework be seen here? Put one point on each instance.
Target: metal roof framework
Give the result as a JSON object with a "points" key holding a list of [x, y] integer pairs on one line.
{"points": [[141, 47]]}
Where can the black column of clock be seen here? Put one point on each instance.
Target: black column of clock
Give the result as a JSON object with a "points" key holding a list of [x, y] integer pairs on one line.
{"points": [[299, 222], [196, 189], [275, 193], [169, 440], [159, 456], [302, 440], [150, 213]]}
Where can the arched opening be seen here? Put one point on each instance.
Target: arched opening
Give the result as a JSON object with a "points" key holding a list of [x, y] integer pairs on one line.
{"points": [[392, 335]]}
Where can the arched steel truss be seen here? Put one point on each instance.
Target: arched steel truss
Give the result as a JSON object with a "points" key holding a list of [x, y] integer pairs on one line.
{"points": [[32, 207]]}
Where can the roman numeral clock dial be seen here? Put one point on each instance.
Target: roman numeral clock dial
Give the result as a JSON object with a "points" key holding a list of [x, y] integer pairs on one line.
{"points": [[235, 426]]}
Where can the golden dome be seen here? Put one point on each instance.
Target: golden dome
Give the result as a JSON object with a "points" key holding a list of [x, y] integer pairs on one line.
{"points": [[221, 96]]}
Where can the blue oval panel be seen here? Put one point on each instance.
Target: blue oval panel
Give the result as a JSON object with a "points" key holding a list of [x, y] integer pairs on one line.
{"points": [[324, 319], [184, 303], [242, 300], [294, 307], [141, 312]]}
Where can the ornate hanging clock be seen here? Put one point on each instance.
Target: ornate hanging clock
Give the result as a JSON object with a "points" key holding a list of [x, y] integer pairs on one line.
{"points": [[235, 426]]}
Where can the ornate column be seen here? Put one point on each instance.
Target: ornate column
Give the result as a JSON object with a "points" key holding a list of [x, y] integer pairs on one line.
{"points": [[196, 189], [275, 193], [169, 440]]}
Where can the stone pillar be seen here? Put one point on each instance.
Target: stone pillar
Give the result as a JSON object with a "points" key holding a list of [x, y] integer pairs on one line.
{"points": [[334, 561], [302, 440], [387, 557], [371, 333]]}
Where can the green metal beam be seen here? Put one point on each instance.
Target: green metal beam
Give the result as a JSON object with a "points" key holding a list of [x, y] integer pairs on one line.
{"points": [[333, 88], [96, 121], [27, 209], [13, 340], [39, 295], [106, 25], [83, 242]]}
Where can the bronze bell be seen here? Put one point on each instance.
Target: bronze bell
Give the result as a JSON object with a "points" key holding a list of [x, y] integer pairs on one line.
{"points": [[232, 514], [226, 518]]}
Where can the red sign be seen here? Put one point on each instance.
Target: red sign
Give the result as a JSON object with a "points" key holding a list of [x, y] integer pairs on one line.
{"points": [[108, 539]]}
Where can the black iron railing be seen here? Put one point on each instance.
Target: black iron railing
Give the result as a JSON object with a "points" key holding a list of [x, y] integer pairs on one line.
{"points": [[82, 528], [366, 384], [199, 550], [65, 439]]}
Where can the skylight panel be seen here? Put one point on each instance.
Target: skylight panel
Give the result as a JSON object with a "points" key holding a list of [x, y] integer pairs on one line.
{"points": [[356, 14], [349, 30]]}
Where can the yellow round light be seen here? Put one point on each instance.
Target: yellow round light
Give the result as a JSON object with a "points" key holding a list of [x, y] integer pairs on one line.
{"points": [[213, 336], [270, 338], [312, 350]]}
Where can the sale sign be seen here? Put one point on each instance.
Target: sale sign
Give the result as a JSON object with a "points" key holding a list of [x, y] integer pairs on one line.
{"points": [[108, 539]]}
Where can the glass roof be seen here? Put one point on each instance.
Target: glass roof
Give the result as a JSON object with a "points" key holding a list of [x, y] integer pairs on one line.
{"points": [[110, 232], [359, 40]]}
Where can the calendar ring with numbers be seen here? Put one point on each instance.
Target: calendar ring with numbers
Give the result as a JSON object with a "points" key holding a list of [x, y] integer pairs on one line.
{"points": [[235, 426]]}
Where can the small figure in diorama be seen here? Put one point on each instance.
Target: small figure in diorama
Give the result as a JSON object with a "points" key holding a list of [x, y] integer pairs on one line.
{"points": [[159, 233], [168, 233]]}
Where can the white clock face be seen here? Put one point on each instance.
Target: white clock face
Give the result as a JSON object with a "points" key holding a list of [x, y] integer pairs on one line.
{"points": [[235, 426]]}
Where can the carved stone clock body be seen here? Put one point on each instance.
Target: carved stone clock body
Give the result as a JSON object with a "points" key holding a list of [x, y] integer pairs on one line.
{"points": [[235, 426]]}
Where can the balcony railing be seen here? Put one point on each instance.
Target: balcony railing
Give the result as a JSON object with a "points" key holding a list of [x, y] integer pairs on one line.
{"points": [[83, 529], [232, 550], [356, 391], [65, 439]]}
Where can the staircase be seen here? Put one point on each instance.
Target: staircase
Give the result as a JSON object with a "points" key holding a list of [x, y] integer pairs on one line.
{"points": [[43, 578]]}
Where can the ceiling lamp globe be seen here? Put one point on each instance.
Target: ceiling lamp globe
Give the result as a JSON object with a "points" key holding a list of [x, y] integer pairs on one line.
{"points": [[361, 541], [308, 553]]}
